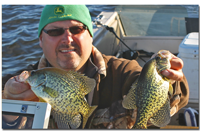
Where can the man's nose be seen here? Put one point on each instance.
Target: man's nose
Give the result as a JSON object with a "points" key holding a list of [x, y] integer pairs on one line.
{"points": [[67, 37]]}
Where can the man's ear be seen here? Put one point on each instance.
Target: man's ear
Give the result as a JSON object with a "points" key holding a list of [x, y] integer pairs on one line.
{"points": [[92, 39], [40, 40]]}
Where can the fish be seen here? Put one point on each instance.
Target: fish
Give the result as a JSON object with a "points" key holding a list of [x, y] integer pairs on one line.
{"points": [[150, 93], [65, 91]]}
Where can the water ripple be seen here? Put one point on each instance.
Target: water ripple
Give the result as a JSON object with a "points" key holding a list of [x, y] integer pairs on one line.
{"points": [[20, 45]]}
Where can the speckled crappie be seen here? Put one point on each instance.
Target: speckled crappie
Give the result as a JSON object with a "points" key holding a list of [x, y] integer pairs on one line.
{"points": [[65, 91], [149, 94]]}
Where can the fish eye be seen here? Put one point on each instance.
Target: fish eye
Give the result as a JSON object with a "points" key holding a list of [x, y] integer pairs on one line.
{"points": [[158, 58], [32, 72]]}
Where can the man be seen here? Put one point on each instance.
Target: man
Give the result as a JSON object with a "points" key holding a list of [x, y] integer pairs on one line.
{"points": [[65, 36]]}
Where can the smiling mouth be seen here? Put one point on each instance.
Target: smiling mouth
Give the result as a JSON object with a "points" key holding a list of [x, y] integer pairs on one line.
{"points": [[67, 51]]}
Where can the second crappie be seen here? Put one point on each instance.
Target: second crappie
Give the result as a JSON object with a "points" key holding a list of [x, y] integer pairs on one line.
{"points": [[65, 91], [149, 94]]}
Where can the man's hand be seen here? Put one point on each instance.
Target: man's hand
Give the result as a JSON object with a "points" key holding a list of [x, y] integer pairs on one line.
{"points": [[16, 90], [175, 72]]}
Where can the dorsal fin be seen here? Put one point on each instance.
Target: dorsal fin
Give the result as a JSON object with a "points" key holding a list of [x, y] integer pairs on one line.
{"points": [[86, 84]]}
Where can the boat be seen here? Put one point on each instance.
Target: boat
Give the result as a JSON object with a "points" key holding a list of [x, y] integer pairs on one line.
{"points": [[144, 30], [137, 32]]}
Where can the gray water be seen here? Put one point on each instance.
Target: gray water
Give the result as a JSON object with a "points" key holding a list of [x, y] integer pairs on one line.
{"points": [[20, 44]]}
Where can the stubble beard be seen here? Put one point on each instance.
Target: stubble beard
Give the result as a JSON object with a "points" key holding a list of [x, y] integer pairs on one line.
{"points": [[70, 62]]}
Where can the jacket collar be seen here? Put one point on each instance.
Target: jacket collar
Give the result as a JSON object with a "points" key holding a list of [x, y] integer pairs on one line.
{"points": [[92, 69]]}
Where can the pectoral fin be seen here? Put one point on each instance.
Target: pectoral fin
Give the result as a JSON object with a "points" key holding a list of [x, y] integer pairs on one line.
{"points": [[170, 90], [51, 92]]}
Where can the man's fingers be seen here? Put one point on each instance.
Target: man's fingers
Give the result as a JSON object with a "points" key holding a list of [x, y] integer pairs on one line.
{"points": [[16, 87], [18, 90], [176, 63], [26, 96], [173, 74]]}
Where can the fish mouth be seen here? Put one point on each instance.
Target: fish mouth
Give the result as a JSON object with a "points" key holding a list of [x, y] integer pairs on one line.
{"points": [[163, 53], [24, 76]]}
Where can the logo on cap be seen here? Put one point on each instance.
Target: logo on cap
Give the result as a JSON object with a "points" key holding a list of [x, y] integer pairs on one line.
{"points": [[59, 10]]}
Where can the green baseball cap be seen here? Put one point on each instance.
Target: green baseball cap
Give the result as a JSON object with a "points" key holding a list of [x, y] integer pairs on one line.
{"points": [[53, 13]]}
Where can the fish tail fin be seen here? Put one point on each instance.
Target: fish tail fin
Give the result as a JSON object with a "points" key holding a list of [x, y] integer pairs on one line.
{"points": [[91, 110], [139, 126]]}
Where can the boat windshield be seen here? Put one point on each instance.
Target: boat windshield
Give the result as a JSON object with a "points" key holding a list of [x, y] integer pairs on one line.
{"points": [[158, 20]]}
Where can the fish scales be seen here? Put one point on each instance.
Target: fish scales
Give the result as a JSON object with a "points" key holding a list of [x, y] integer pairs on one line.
{"points": [[149, 94], [65, 91]]}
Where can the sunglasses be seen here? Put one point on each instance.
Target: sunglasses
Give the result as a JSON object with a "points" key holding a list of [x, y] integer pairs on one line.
{"points": [[74, 30]]}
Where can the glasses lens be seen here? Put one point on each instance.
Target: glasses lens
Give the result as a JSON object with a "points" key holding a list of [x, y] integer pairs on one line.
{"points": [[56, 32], [76, 29]]}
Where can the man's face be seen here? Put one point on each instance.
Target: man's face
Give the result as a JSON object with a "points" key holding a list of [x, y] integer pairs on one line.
{"points": [[66, 51]]}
